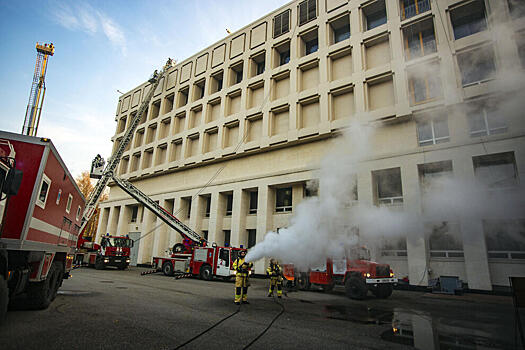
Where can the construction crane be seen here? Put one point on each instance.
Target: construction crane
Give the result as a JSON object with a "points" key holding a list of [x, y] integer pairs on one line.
{"points": [[38, 89]]}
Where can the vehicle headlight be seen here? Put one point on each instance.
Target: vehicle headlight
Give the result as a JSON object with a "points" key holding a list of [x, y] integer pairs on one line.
{"points": [[106, 260], [250, 272], [368, 274], [127, 260], [391, 274]]}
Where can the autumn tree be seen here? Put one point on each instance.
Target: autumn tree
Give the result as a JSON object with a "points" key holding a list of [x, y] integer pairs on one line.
{"points": [[86, 186]]}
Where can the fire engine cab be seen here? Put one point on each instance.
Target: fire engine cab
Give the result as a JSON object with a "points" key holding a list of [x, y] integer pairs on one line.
{"points": [[112, 251]]}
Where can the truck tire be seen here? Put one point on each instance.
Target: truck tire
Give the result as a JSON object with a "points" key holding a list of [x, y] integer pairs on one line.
{"points": [[205, 273], [356, 288], [4, 298], [303, 282], [383, 291], [167, 268], [99, 263], [41, 294]]}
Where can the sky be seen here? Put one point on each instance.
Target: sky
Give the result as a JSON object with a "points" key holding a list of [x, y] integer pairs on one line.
{"points": [[101, 47]]}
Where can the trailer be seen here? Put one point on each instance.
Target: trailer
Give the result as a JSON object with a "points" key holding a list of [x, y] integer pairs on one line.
{"points": [[355, 272], [40, 211]]}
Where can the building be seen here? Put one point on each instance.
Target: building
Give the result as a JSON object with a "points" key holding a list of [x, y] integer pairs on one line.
{"points": [[234, 133]]}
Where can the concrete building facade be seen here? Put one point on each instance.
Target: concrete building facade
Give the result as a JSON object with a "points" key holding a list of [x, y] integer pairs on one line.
{"points": [[235, 132]]}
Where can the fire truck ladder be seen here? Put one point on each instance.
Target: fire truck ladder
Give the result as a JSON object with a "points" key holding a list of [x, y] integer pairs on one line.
{"points": [[113, 161], [159, 211]]}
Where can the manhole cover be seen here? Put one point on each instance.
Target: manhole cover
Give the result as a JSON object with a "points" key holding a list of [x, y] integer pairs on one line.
{"points": [[106, 281]]}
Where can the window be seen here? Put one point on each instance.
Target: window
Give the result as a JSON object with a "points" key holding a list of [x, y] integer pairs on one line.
{"points": [[183, 97], [431, 131], [229, 204], [496, 170], [484, 121], [253, 202], [199, 89], [424, 84], [257, 64], [134, 213], [374, 14], [340, 29], [468, 19], [395, 246], [216, 82], [281, 54], [252, 238], [432, 175], [281, 23], [205, 234], [308, 43], [78, 213], [388, 186], [410, 8], [505, 239], [307, 11], [284, 57], [311, 188], [476, 65], [187, 203], [516, 8], [419, 39], [521, 50], [283, 199], [236, 73], [59, 194], [208, 206], [444, 240], [227, 237], [260, 67], [69, 202], [44, 190]]}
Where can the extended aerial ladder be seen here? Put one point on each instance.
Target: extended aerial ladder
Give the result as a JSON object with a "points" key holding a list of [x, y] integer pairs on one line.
{"points": [[113, 161]]}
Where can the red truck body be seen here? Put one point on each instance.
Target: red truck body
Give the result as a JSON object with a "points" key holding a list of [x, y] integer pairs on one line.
{"points": [[40, 224], [115, 252], [206, 262]]}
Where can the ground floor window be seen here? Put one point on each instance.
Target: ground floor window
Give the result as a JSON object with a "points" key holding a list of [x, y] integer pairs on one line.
{"points": [[505, 239], [444, 240], [394, 246]]}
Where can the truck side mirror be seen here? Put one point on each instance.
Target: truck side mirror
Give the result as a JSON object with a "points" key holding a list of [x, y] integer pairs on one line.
{"points": [[12, 182]]}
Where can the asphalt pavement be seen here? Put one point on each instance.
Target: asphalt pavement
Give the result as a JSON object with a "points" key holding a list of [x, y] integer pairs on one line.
{"points": [[112, 309]]}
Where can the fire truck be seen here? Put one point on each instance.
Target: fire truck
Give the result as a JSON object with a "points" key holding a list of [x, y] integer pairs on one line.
{"points": [[112, 251], [40, 212], [356, 273]]}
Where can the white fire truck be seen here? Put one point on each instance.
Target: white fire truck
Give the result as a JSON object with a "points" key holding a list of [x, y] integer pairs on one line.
{"points": [[40, 210]]}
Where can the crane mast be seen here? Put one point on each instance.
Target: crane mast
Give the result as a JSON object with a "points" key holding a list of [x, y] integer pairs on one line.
{"points": [[38, 89], [114, 160]]}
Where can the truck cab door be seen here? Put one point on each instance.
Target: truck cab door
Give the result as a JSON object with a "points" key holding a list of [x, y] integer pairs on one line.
{"points": [[223, 262]]}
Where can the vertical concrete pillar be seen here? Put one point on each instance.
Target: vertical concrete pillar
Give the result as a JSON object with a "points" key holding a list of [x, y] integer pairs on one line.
{"points": [[264, 220], [239, 211], [102, 223], [113, 220], [216, 213], [161, 231], [475, 252], [196, 213], [175, 237], [123, 220], [146, 244]]}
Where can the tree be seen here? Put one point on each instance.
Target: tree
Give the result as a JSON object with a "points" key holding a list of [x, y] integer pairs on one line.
{"points": [[85, 183]]}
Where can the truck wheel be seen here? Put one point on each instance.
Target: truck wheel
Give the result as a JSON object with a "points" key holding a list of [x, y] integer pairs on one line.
{"points": [[4, 298], [383, 291], [41, 294], [99, 264], [167, 268], [303, 282], [356, 288], [205, 273]]}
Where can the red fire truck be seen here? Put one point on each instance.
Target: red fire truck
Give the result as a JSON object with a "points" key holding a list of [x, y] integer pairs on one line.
{"points": [[112, 251], [358, 275], [205, 262], [40, 211]]}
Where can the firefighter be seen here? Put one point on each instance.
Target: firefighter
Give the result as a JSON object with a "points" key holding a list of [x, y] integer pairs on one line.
{"points": [[276, 279], [241, 278]]}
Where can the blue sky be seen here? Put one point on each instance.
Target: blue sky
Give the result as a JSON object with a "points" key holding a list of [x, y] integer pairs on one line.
{"points": [[101, 47]]}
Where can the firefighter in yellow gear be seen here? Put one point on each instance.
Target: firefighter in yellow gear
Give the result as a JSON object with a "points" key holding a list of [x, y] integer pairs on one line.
{"points": [[241, 278], [276, 279]]}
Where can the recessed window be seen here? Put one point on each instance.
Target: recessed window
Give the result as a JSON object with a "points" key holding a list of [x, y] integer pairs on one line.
{"points": [[505, 239], [468, 19], [69, 203], [216, 82], [236, 73], [388, 187], [253, 202], [485, 121], [78, 213], [516, 8], [155, 110], [208, 206], [477, 65], [496, 170], [281, 54], [182, 99], [411, 8], [199, 89], [419, 39], [424, 83], [374, 14], [309, 43], [186, 203], [134, 213], [257, 64], [434, 130], [229, 204], [44, 191], [252, 238], [281, 23], [340, 29], [394, 246], [59, 195], [168, 103], [311, 188], [444, 240], [283, 200], [227, 237], [432, 175], [205, 234], [307, 11]]}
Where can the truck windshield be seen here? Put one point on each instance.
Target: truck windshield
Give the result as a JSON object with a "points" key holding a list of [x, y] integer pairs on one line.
{"points": [[117, 242]]}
